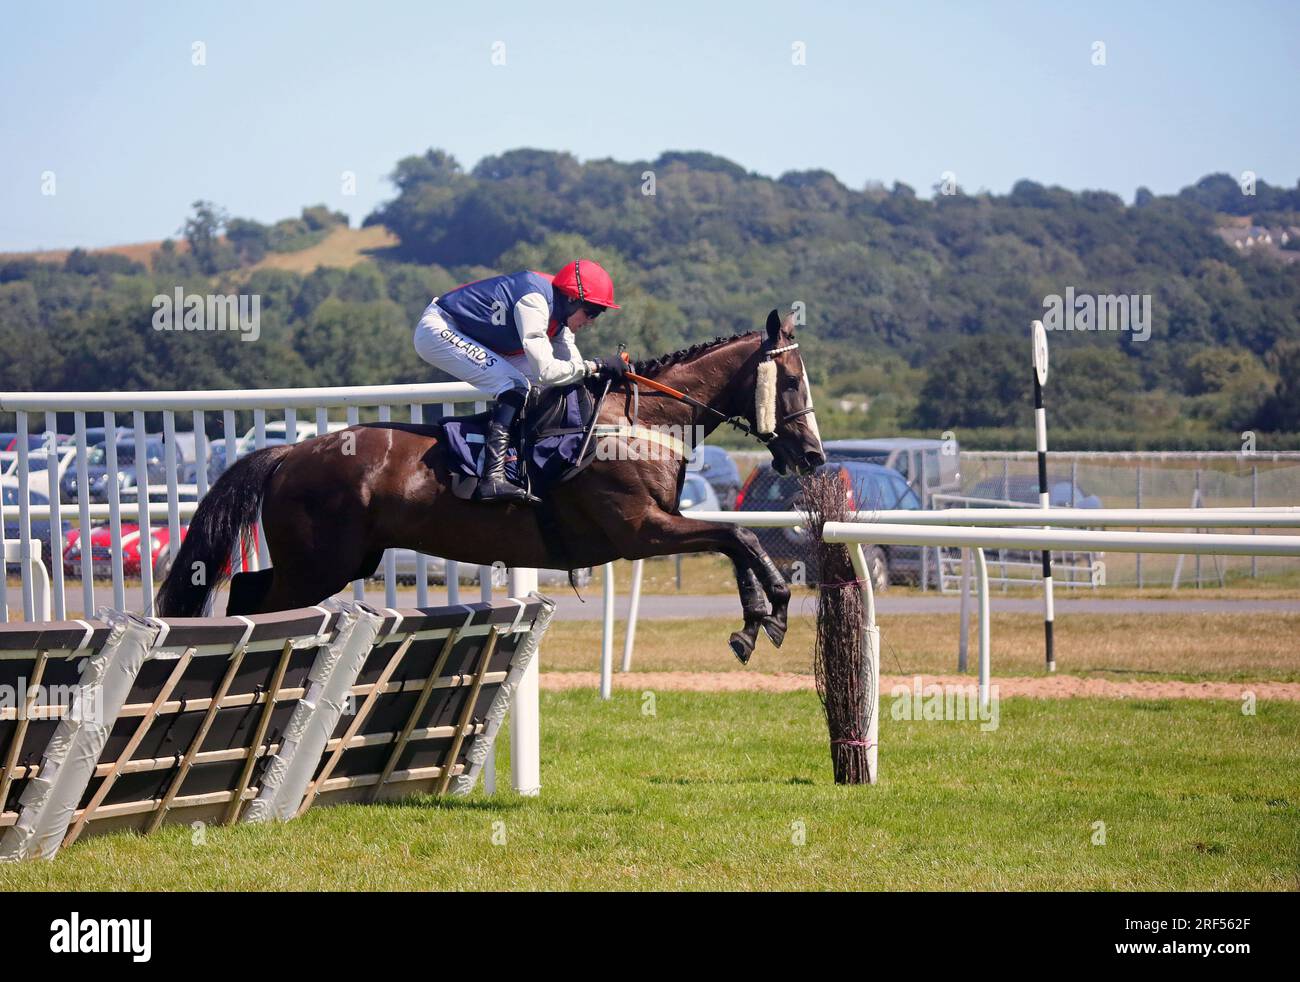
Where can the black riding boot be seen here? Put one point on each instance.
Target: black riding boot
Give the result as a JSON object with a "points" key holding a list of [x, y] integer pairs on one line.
{"points": [[493, 485]]}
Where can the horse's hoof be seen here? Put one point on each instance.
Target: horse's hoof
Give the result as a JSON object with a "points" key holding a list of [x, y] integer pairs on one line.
{"points": [[741, 647], [775, 630]]}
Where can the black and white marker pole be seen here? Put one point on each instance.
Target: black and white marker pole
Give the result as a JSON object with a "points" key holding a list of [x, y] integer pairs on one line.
{"points": [[1044, 494]]}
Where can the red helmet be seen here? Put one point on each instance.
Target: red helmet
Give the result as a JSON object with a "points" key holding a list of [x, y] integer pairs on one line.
{"points": [[586, 280]]}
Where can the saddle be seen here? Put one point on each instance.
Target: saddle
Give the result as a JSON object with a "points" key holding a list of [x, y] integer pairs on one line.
{"points": [[544, 445]]}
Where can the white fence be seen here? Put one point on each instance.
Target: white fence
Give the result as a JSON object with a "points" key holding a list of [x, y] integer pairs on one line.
{"points": [[319, 408]]}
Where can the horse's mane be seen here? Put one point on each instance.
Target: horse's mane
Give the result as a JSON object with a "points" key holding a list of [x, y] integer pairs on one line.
{"points": [[652, 366]]}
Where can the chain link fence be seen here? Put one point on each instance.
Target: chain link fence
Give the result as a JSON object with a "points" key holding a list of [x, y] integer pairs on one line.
{"points": [[1149, 480]]}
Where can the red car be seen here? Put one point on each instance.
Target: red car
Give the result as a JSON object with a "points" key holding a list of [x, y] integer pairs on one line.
{"points": [[101, 544]]}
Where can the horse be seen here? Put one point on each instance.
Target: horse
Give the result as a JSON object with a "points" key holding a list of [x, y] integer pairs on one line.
{"points": [[332, 504]]}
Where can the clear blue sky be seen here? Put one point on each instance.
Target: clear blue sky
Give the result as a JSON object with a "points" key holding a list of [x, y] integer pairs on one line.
{"points": [[293, 93]]}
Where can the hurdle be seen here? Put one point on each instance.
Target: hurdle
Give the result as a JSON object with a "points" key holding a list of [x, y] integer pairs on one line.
{"points": [[132, 722]]}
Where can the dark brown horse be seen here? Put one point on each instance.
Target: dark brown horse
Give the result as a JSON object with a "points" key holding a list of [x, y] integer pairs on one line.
{"points": [[331, 505]]}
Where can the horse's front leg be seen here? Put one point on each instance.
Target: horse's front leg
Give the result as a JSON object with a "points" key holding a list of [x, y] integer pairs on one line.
{"points": [[753, 601], [757, 578], [773, 584]]}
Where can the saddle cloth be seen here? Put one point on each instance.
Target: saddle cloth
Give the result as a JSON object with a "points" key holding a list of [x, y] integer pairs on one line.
{"points": [[553, 423]]}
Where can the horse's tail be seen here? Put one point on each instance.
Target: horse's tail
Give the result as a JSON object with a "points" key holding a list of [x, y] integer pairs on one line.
{"points": [[229, 508]]}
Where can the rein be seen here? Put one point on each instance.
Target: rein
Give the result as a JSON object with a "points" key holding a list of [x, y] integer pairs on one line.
{"points": [[738, 422]]}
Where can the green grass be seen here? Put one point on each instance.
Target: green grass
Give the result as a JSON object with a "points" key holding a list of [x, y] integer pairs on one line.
{"points": [[708, 793]]}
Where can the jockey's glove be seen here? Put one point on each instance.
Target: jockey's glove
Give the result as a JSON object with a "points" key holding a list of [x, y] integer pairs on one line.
{"points": [[608, 368]]}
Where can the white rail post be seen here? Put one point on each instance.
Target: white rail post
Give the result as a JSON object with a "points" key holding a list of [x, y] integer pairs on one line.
{"points": [[982, 573], [358, 586], [1254, 502], [259, 443], [4, 564], [422, 561], [451, 570], [40, 578], [25, 519], [963, 643], [633, 610], [112, 485], [83, 513], [145, 541], [871, 663], [607, 635], [238, 562], [171, 458], [525, 714], [390, 555], [56, 514], [200, 453]]}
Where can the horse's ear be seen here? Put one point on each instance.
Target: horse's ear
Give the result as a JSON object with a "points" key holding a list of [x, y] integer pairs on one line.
{"points": [[774, 325]]}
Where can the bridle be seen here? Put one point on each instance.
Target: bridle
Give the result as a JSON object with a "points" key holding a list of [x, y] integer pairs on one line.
{"points": [[739, 422]]}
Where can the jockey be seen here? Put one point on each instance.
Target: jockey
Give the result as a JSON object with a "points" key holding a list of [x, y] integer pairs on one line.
{"points": [[509, 333]]}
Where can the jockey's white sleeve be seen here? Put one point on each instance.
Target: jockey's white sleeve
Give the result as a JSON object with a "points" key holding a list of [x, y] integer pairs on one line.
{"points": [[532, 318], [565, 345]]}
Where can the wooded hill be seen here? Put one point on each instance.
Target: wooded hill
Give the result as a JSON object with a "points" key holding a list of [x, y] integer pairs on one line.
{"points": [[917, 308]]}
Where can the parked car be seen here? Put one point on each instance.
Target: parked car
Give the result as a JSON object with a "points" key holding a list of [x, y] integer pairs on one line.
{"points": [[35, 441], [40, 527], [245, 445], [716, 466], [216, 463], [97, 469], [99, 434], [277, 433], [1062, 493], [937, 461], [698, 495], [868, 487], [101, 551]]}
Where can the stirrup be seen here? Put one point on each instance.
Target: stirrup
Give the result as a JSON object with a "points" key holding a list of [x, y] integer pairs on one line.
{"points": [[503, 490]]}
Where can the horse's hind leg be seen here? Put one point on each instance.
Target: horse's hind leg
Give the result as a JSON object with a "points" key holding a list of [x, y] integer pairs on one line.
{"points": [[248, 591], [292, 588], [291, 584]]}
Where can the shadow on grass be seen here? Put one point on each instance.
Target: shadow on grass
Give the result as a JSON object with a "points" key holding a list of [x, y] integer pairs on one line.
{"points": [[730, 780], [429, 802]]}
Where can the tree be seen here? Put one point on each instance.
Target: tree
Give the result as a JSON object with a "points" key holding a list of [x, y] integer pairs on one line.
{"points": [[1281, 411], [202, 231]]}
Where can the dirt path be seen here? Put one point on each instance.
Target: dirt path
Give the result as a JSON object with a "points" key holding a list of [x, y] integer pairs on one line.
{"points": [[1056, 687]]}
